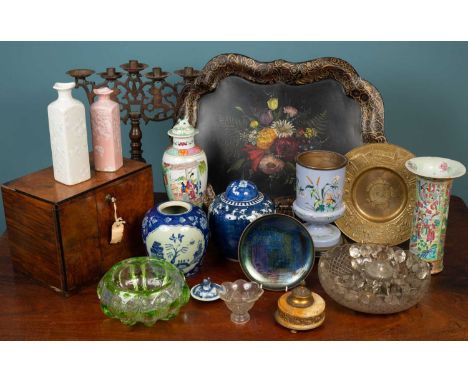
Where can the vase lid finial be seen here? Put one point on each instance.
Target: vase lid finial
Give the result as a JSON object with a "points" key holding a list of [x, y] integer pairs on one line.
{"points": [[182, 129], [241, 191]]}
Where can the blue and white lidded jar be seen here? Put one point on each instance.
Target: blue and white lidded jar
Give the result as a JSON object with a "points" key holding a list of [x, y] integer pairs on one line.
{"points": [[233, 210], [176, 232]]}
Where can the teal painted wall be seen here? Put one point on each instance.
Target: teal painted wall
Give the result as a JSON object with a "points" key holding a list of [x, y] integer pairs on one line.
{"points": [[424, 87]]}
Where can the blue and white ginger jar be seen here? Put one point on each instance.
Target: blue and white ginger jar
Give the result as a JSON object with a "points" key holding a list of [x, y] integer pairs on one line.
{"points": [[176, 232], [233, 210]]}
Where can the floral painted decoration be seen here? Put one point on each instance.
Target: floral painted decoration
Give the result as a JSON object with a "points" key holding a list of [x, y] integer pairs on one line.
{"points": [[324, 197], [444, 166], [271, 136], [175, 249], [430, 219], [180, 239]]}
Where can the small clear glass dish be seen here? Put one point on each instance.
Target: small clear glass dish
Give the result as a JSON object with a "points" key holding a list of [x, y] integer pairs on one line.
{"points": [[240, 296], [142, 289]]}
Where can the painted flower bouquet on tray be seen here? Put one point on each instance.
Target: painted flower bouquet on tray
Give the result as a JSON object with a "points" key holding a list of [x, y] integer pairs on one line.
{"points": [[271, 135]]}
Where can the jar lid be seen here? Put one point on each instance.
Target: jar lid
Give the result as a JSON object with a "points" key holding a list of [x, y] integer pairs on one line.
{"points": [[241, 191], [182, 129], [206, 290], [300, 309]]}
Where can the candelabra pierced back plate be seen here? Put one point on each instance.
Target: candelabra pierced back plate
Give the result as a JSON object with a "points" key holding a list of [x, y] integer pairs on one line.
{"points": [[379, 195]]}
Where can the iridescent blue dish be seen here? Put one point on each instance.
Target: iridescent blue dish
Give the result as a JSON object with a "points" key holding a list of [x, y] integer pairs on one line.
{"points": [[276, 251]]}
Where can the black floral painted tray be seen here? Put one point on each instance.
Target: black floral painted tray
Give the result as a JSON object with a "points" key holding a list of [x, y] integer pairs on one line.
{"points": [[254, 118]]}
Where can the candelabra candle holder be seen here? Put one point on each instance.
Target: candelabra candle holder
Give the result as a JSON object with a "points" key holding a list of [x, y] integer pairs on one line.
{"points": [[142, 96]]}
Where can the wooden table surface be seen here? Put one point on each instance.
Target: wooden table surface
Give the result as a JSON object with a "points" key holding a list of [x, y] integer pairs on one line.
{"points": [[31, 311]]}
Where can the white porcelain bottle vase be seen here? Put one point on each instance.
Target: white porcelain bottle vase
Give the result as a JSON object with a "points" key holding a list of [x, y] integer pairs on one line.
{"points": [[68, 137]]}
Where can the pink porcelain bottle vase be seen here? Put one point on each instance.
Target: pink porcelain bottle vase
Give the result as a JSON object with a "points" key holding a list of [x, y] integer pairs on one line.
{"points": [[105, 124]]}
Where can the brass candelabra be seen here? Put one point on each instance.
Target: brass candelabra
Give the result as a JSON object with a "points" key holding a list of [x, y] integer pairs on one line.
{"points": [[152, 98]]}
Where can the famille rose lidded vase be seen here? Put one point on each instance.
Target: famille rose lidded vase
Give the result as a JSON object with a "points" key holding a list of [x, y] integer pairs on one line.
{"points": [[235, 209], [184, 165], [68, 137], [176, 232], [105, 124], [434, 177]]}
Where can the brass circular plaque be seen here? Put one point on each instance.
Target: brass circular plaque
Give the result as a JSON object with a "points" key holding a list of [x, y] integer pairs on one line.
{"points": [[379, 195]]}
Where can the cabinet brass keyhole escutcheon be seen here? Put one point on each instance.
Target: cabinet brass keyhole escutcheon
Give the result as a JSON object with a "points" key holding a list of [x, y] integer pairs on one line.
{"points": [[110, 199]]}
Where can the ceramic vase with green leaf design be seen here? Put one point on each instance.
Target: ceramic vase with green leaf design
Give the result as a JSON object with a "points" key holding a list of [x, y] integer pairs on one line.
{"points": [[320, 177]]}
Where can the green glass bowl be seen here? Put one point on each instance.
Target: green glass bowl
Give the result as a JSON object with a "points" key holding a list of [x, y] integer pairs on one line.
{"points": [[142, 289]]}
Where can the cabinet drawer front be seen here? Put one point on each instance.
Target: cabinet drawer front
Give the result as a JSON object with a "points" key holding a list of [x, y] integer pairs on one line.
{"points": [[134, 195]]}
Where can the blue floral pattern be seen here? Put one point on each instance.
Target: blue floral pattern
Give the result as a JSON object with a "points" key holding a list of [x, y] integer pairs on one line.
{"points": [[180, 239], [229, 217], [157, 250]]}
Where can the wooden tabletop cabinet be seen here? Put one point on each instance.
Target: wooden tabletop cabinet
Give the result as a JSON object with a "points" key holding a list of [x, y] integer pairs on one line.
{"points": [[60, 235]]}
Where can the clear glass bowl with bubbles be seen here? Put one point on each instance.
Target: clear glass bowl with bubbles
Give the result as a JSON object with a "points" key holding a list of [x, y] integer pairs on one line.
{"points": [[142, 289], [373, 278]]}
